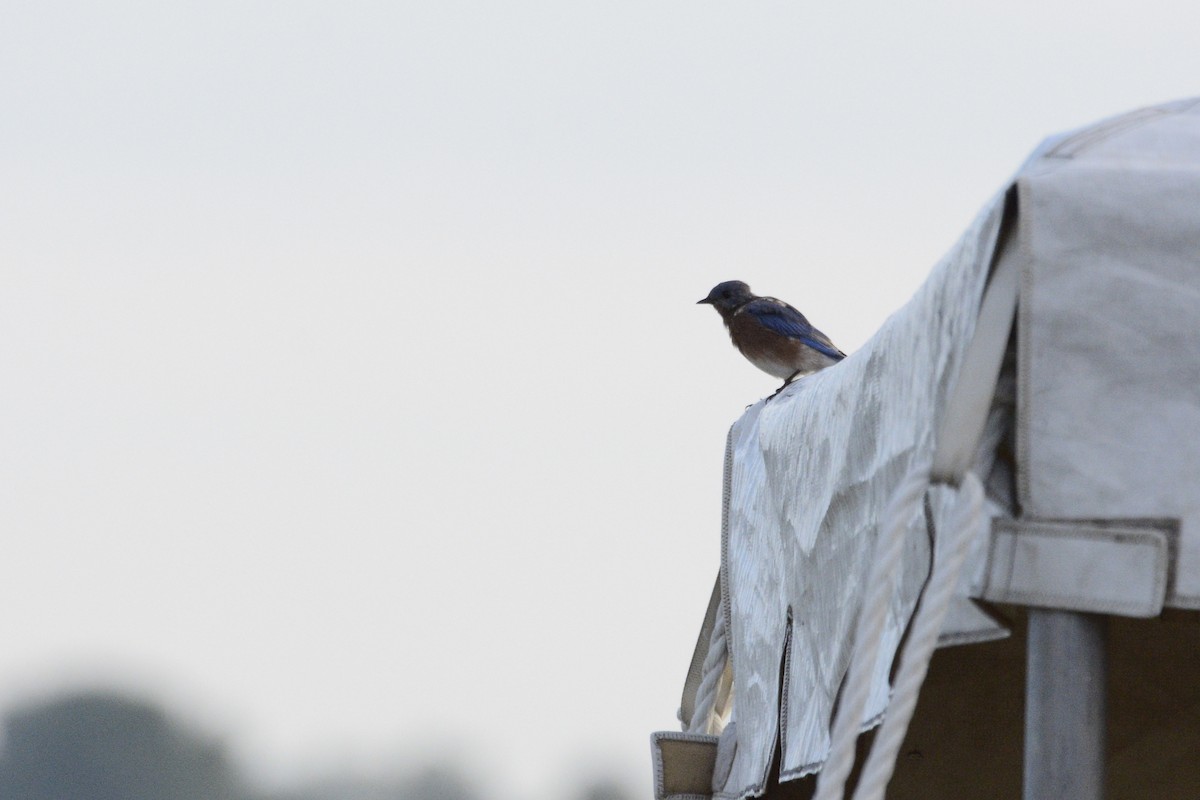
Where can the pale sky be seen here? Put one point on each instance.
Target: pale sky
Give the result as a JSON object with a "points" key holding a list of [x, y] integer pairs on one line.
{"points": [[357, 399]]}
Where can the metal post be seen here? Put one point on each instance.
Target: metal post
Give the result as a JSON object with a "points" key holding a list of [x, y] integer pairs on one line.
{"points": [[1066, 676]]}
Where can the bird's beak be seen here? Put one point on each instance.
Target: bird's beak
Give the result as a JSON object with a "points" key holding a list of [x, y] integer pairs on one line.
{"points": [[702, 302]]}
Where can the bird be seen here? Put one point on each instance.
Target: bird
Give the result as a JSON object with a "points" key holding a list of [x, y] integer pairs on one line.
{"points": [[771, 334]]}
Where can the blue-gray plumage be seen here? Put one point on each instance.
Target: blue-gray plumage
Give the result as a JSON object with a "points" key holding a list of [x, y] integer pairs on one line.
{"points": [[772, 335]]}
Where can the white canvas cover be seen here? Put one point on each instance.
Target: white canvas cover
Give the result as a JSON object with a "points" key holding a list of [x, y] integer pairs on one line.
{"points": [[1109, 351], [812, 470], [1105, 382]]}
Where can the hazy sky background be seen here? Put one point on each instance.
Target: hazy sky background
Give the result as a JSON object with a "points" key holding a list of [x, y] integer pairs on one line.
{"points": [[356, 401]]}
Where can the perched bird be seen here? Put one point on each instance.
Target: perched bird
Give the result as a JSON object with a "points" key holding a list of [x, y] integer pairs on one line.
{"points": [[775, 337]]}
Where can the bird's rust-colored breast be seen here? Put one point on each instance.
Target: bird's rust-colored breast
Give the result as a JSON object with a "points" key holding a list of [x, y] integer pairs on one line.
{"points": [[772, 352]]}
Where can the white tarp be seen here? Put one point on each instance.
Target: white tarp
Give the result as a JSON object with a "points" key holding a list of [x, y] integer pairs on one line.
{"points": [[1108, 414], [812, 470], [1107, 384]]}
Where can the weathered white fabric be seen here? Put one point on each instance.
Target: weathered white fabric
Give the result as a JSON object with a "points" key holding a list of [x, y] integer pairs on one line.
{"points": [[1109, 322], [1101, 402], [812, 471]]}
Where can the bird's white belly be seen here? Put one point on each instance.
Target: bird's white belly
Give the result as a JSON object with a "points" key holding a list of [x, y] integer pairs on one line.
{"points": [[804, 360], [771, 366]]}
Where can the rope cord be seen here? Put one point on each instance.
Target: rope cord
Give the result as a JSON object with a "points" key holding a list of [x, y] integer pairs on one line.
{"points": [[903, 506], [968, 515], [714, 666]]}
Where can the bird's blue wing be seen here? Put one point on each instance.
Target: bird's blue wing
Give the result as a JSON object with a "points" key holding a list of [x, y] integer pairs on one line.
{"points": [[781, 318]]}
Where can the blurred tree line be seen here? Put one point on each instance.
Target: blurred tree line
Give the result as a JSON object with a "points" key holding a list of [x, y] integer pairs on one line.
{"points": [[104, 746]]}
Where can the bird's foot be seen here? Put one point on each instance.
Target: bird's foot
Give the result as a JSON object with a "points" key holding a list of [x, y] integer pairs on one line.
{"points": [[786, 383]]}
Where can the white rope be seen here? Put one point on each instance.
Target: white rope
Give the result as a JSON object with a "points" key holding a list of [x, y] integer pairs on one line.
{"points": [[948, 562], [714, 666], [903, 506]]}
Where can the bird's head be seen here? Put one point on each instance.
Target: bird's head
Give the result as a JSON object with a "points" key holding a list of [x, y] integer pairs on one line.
{"points": [[728, 295]]}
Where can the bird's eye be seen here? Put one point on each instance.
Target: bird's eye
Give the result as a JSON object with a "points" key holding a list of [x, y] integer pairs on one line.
{"points": [[726, 294]]}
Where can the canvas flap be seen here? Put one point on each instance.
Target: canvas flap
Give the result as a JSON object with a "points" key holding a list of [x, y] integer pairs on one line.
{"points": [[1109, 346], [812, 472]]}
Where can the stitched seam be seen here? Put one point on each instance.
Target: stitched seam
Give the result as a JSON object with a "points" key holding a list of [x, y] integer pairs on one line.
{"points": [[800, 772], [726, 500], [682, 736], [1119, 534], [726, 601], [1057, 601], [753, 789], [1091, 136], [814, 766], [785, 691], [1024, 351]]}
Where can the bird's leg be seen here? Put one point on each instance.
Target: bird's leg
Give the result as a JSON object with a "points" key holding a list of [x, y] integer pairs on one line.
{"points": [[786, 383]]}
